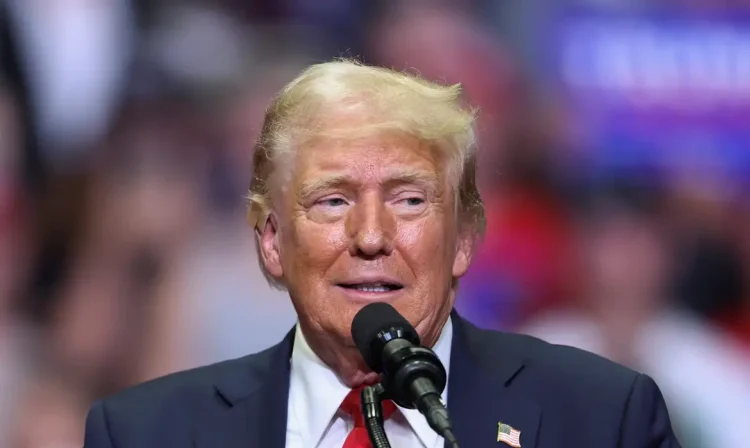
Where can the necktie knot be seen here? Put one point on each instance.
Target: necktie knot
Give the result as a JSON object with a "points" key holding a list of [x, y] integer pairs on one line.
{"points": [[352, 405]]}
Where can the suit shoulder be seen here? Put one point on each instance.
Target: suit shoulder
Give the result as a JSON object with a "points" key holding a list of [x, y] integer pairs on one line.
{"points": [[183, 385], [543, 352], [569, 366], [148, 413]]}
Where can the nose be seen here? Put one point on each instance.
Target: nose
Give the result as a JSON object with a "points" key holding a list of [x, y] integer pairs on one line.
{"points": [[371, 227]]}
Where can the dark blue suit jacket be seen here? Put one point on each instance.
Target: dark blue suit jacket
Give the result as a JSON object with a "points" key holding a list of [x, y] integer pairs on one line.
{"points": [[558, 397]]}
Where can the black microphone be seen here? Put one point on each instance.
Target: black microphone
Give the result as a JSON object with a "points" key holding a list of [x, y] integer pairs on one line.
{"points": [[412, 375]]}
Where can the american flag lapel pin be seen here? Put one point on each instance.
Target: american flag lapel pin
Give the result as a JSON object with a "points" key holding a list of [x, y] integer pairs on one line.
{"points": [[509, 435]]}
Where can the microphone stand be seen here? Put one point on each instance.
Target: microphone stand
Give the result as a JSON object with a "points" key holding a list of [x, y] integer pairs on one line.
{"points": [[372, 410]]}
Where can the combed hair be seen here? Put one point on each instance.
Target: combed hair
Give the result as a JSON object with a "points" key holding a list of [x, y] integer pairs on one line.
{"points": [[386, 101]]}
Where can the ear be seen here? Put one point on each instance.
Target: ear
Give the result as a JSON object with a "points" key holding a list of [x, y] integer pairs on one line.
{"points": [[268, 246], [464, 253]]}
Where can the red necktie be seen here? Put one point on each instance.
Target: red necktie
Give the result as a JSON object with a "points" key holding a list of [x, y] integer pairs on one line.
{"points": [[352, 405]]}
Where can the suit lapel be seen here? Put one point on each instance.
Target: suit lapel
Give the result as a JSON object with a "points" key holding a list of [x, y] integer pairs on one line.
{"points": [[253, 403], [479, 392]]}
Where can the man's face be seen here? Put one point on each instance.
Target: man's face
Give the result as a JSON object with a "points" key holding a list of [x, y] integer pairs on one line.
{"points": [[364, 221]]}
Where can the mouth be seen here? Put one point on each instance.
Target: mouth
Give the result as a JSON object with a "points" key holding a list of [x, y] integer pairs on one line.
{"points": [[371, 287], [375, 291]]}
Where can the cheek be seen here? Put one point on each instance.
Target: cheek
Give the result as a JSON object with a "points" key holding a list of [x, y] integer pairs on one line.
{"points": [[312, 248], [425, 250], [423, 245]]}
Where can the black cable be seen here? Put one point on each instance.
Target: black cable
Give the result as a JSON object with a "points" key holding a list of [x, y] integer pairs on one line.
{"points": [[377, 433], [372, 410]]}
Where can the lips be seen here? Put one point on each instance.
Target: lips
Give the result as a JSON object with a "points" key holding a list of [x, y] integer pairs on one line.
{"points": [[373, 287]]}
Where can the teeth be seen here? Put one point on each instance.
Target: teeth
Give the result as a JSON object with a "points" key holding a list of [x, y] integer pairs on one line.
{"points": [[372, 288]]}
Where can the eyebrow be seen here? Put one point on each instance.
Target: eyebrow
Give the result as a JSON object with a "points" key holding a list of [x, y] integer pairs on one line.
{"points": [[424, 179], [311, 187]]}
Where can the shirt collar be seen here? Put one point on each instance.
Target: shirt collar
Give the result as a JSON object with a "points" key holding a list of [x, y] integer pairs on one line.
{"points": [[317, 392]]}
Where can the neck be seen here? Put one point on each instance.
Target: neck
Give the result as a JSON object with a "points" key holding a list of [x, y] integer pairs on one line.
{"points": [[345, 360], [341, 358]]}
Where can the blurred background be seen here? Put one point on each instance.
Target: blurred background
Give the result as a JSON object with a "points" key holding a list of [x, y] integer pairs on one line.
{"points": [[614, 164]]}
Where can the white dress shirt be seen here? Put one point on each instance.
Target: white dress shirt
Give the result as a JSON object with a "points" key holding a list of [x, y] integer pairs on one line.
{"points": [[316, 392]]}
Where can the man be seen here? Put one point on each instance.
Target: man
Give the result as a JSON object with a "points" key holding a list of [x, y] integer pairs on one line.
{"points": [[364, 190]]}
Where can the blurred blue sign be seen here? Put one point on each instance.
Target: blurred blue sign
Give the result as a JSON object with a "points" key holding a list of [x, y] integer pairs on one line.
{"points": [[657, 91]]}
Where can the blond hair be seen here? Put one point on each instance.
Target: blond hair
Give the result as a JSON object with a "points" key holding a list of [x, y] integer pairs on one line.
{"points": [[386, 101]]}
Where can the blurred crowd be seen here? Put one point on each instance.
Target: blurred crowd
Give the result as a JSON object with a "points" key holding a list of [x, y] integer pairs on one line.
{"points": [[126, 131]]}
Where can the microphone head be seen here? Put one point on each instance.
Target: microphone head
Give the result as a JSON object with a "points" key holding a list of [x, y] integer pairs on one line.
{"points": [[375, 325]]}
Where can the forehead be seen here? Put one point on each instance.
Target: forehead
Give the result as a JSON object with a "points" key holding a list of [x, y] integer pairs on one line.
{"points": [[368, 159]]}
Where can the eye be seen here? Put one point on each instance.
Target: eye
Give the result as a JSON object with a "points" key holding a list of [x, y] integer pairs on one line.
{"points": [[334, 202], [410, 203], [329, 209], [414, 201]]}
